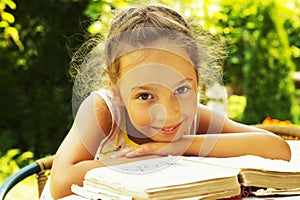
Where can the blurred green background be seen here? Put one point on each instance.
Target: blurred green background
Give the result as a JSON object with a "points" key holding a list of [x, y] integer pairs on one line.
{"points": [[37, 39]]}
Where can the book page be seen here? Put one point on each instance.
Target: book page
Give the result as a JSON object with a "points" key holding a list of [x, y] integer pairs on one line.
{"points": [[146, 166], [158, 172], [252, 162], [272, 191]]}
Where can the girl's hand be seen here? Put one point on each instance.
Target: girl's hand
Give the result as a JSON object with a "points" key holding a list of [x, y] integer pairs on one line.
{"points": [[156, 148]]}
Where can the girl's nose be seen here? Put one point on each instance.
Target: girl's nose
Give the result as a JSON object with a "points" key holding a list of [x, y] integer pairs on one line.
{"points": [[158, 113], [167, 110]]}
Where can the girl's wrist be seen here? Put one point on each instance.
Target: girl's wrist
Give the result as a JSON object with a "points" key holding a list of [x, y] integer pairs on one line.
{"points": [[192, 145], [184, 145]]}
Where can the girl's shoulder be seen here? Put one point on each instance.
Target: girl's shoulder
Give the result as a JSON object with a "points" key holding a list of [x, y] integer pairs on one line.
{"points": [[102, 109], [103, 93], [210, 119]]}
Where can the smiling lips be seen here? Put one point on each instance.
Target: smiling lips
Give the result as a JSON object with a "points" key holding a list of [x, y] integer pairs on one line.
{"points": [[169, 130]]}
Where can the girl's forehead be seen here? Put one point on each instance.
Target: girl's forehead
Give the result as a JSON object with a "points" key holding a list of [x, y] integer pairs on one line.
{"points": [[177, 60], [158, 67]]}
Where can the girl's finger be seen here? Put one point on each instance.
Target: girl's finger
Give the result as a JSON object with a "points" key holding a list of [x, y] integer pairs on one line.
{"points": [[141, 150], [120, 153], [134, 154]]}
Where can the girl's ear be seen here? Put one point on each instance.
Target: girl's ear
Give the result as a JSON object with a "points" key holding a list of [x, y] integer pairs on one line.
{"points": [[116, 94]]}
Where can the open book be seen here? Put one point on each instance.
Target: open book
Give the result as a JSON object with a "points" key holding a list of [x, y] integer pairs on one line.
{"points": [[190, 178], [160, 178], [265, 176]]}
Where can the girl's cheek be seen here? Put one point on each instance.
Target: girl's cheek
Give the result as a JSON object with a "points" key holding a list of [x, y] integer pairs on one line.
{"points": [[139, 115], [189, 106]]}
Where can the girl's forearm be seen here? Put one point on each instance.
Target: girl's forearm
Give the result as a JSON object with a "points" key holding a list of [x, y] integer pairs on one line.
{"points": [[68, 175], [261, 144], [62, 180]]}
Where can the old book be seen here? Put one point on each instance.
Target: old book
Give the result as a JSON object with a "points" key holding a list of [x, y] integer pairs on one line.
{"points": [[160, 178], [265, 176], [192, 178]]}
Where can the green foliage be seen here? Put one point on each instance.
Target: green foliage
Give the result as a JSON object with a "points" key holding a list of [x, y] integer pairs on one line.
{"points": [[101, 12], [296, 108], [235, 107], [35, 87], [239, 22], [269, 87], [8, 33], [292, 27], [12, 161]]}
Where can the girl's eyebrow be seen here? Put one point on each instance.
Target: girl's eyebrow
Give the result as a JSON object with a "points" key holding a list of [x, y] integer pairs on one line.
{"points": [[189, 80], [142, 87], [146, 87]]}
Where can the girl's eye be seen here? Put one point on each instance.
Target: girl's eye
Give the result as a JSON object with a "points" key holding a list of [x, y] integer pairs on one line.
{"points": [[144, 96], [182, 89]]}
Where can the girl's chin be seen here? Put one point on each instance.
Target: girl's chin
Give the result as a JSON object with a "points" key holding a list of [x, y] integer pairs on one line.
{"points": [[163, 138]]}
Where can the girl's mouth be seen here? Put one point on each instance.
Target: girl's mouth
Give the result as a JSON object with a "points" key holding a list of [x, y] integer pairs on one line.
{"points": [[169, 130]]}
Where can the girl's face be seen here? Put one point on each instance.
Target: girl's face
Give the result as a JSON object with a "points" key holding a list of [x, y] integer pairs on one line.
{"points": [[159, 93]]}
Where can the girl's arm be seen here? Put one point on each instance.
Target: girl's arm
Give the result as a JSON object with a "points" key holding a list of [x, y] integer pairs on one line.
{"points": [[75, 155], [72, 161], [218, 136], [247, 143], [243, 139]]}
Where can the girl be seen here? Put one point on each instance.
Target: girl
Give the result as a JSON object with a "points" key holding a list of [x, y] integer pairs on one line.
{"points": [[156, 69]]}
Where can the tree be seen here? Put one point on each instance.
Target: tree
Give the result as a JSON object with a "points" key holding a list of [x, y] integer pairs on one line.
{"points": [[269, 87], [261, 59], [35, 87]]}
